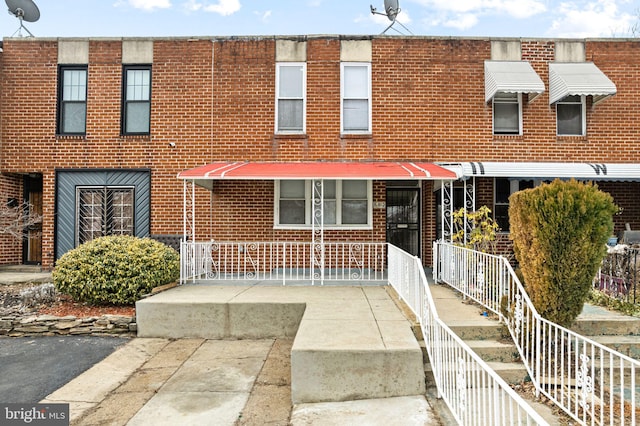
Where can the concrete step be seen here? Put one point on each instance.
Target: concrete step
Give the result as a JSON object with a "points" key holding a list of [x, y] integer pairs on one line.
{"points": [[599, 321], [511, 372], [608, 326], [491, 350], [474, 330], [627, 345]]}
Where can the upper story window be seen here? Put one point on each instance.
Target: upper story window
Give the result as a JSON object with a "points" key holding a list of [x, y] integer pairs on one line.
{"points": [[136, 100], [503, 188], [345, 204], [355, 97], [570, 116], [507, 113], [72, 100], [291, 97]]}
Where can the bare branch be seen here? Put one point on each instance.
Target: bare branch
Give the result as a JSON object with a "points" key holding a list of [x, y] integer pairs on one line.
{"points": [[15, 219]]}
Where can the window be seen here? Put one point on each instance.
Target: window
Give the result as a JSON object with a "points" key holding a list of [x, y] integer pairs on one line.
{"points": [[503, 188], [72, 100], [136, 100], [290, 97], [570, 116], [103, 211], [356, 98], [506, 113], [346, 203]]}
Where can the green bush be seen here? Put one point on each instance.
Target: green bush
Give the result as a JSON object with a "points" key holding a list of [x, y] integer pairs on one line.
{"points": [[115, 270], [559, 232]]}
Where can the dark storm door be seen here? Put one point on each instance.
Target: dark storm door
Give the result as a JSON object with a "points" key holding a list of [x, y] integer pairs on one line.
{"points": [[32, 249], [403, 219]]}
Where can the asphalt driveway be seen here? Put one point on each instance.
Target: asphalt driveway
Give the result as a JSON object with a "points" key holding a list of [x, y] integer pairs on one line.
{"points": [[33, 367]]}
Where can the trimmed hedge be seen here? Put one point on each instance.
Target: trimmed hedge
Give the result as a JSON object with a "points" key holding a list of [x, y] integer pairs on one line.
{"points": [[115, 270], [559, 232]]}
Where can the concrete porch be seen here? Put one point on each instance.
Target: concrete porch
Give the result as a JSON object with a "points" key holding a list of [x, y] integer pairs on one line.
{"points": [[350, 342]]}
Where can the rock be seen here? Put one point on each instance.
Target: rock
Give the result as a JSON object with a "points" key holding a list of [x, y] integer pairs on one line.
{"points": [[32, 329], [47, 318], [65, 325]]}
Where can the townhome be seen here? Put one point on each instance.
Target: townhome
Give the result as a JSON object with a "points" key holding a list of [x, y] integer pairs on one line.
{"points": [[359, 138]]}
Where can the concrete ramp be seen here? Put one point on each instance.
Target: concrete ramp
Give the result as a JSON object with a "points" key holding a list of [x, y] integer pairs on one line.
{"points": [[351, 343]]}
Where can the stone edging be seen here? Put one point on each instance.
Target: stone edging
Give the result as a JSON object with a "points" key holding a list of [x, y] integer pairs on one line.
{"points": [[50, 325]]}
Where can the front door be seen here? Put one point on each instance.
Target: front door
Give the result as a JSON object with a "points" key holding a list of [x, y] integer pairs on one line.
{"points": [[403, 219], [32, 248]]}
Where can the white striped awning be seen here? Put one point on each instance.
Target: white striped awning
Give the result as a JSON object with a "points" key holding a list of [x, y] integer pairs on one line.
{"points": [[578, 78], [511, 77], [544, 171]]}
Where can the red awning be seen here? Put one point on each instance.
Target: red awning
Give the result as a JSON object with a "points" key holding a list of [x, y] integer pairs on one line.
{"points": [[318, 170]]}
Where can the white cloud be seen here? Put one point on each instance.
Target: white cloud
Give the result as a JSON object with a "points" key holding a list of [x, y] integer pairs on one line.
{"points": [[599, 18], [465, 14], [515, 8], [148, 5], [462, 21], [403, 17], [264, 16], [221, 7]]}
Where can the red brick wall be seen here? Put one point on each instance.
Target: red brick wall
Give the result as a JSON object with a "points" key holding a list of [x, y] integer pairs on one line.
{"points": [[216, 101]]}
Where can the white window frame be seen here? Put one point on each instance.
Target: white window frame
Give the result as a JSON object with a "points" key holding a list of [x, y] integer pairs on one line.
{"points": [[344, 65], [309, 207], [583, 109], [304, 97], [504, 101]]}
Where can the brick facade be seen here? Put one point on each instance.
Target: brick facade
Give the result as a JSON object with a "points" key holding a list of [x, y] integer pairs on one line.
{"points": [[215, 100]]}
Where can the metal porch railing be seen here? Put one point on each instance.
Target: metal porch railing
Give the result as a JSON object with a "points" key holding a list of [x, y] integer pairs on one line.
{"points": [[284, 262], [590, 382], [619, 274], [472, 390]]}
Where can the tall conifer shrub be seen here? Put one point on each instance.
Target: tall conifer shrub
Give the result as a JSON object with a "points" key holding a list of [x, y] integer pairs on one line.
{"points": [[559, 232]]}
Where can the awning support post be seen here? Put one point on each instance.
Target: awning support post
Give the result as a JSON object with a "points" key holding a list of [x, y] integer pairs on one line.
{"points": [[317, 231], [447, 210], [470, 205]]}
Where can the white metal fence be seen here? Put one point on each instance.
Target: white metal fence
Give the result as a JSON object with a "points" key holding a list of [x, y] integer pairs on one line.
{"points": [[474, 393], [282, 261], [590, 382]]}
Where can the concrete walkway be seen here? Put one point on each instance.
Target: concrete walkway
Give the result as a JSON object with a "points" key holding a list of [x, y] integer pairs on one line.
{"points": [[212, 382], [202, 381], [348, 341]]}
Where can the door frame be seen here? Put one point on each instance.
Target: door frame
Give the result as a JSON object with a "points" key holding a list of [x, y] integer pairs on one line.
{"points": [[407, 186]]}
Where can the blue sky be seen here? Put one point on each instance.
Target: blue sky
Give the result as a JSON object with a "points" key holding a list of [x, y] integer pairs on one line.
{"points": [[491, 18]]}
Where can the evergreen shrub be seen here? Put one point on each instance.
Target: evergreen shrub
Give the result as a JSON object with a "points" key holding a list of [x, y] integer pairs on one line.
{"points": [[559, 232], [115, 270]]}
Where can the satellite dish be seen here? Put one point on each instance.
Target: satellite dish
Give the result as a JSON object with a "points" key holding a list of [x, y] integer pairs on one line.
{"points": [[391, 8], [24, 10]]}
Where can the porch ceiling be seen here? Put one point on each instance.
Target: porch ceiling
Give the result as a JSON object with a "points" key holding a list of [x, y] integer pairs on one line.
{"points": [[316, 170]]}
